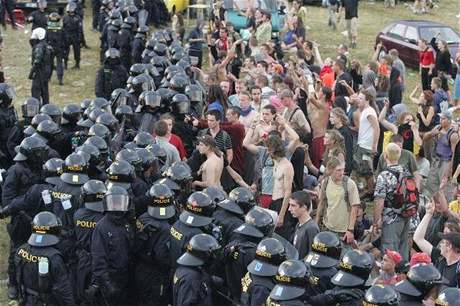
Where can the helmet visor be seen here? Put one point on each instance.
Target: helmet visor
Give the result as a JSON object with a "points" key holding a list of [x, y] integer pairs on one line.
{"points": [[29, 110], [117, 202]]}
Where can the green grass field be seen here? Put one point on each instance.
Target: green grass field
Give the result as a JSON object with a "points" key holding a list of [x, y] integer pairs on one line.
{"points": [[79, 84]]}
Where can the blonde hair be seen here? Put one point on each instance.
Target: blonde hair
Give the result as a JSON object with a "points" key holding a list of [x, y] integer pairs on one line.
{"points": [[393, 152]]}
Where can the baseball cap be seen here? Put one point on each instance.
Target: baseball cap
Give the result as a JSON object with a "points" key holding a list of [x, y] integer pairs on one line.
{"points": [[453, 238], [395, 256], [418, 258]]}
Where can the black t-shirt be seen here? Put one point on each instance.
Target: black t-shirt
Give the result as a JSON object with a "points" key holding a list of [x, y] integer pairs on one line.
{"points": [[449, 272], [339, 89], [351, 8]]}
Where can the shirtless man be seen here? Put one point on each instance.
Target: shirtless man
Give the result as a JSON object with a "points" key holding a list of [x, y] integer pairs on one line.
{"points": [[319, 116], [211, 169], [266, 125], [283, 175]]}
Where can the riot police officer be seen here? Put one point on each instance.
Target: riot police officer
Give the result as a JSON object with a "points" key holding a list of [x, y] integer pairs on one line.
{"points": [[111, 76], [40, 260], [20, 177], [153, 266], [73, 29], [259, 281], [350, 281], [381, 295], [197, 215], [291, 282], [181, 174], [421, 279], [138, 43], [448, 297], [120, 173], [53, 111], [56, 39], [112, 246], [323, 260], [228, 215], [30, 107], [8, 119], [125, 38], [150, 168], [41, 65], [85, 220], [39, 17], [191, 281], [243, 197], [52, 135], [94, 161]]}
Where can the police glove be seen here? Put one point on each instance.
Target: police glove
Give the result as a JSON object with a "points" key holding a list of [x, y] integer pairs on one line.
{"points": [[4, 212], [91, 292]]}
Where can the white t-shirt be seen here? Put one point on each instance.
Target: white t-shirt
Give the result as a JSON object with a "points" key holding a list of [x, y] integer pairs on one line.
{"points": [[365, 133]]}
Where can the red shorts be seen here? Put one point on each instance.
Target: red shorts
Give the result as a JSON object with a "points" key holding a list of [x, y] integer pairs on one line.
{"points": [[317, 151], [265, 200]]}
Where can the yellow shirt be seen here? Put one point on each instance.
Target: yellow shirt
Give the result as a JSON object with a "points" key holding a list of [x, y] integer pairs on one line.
{"points": [[454, 206]]}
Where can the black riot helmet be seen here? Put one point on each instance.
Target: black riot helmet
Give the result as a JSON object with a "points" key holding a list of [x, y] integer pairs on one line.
{"points": [[270, 254], [124, 112], [85, 103], [194, 93], [72, 113], [92, 195], [152, 70], [120, 173], [131, 157], [448, 297], [116, 199], [30, 107], [143, 29], [172, 71], [112, 57], [177, 56], [258, 224], [166, 96], [7, 94], [99, 130], [71, 7], [139, 84], [115, 14], [179, 83], [136, 69], [109, 121], [354, 269], [75, 170], [46, 228], [53, 111], [119, 97], [101, 103], [115, 25], [131, 21], [49, 130], [180, 104], [243, 197], [291, 281], [31, 129], [381, 295], [32, 149], [421, 278], [161, 202], [199, 251], [160, 49], [216, 194], [198, 210], [160, 154], [170, 183], [52, 169], [179, 172], [92, 151], [150, 99], [147, 157], [99, 143], [54, 21], [325, 251], [143, 139]]}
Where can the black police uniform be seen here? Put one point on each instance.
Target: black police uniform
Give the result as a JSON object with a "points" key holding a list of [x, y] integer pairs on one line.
{"points": [[56, 39], [137, 47], [41, 273], [16, 135], [181, 234], [228, 222], [140, 200], [96, 6], [39, 19], [125, 38], [152, 273], [255, 289], [41, 70], [73, 29], [8, 6], [8, 122], [109, 77]]}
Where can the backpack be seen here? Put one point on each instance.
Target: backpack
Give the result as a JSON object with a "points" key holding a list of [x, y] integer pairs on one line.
{"points": [[406, 195]]}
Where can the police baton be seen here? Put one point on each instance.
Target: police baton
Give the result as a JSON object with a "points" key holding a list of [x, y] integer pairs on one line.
{"points": [[227, 298]]}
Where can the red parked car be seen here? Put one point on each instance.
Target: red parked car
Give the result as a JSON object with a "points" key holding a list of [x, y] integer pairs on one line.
{"points": [[404, 35]]}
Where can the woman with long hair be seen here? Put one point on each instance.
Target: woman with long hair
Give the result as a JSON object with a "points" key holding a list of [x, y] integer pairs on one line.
{"points": [[443, 64], [217, 100], [211, 169]]}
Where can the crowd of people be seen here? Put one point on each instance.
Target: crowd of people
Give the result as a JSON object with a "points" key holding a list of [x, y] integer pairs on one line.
{"points": [[224, 167]]}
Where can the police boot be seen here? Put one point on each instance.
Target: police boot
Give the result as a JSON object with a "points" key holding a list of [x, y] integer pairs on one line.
{"points": [[76, 66], [65, 65], [12, 292], [61, 82]]}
